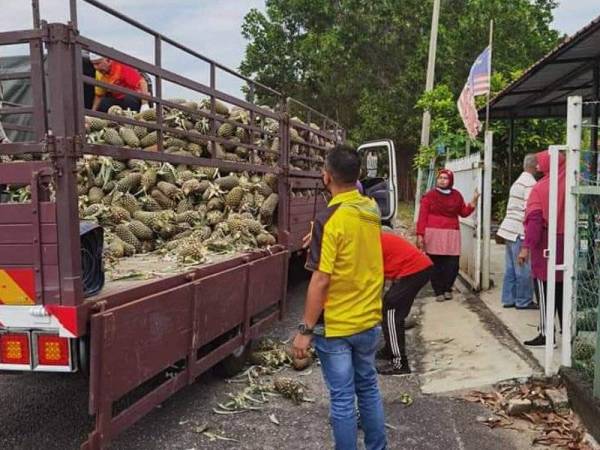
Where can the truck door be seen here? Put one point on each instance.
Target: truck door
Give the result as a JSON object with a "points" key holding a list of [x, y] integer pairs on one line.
{"points": [[378, 176]]}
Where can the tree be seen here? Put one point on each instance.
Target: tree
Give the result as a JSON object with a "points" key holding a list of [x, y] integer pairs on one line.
{"points": [[363, 62]]}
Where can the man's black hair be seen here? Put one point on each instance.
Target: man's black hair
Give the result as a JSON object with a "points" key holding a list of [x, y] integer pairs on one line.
{"points": [[343, 163]]}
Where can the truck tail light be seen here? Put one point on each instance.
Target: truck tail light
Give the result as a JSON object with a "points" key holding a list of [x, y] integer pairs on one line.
{"points": [[14, 348], [52, 350]]}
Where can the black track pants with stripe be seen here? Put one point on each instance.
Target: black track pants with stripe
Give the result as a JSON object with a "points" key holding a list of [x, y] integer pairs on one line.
{"points": [[396, 306], [540, 293]]}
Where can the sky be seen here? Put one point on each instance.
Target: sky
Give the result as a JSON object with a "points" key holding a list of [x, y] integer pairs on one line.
{"points": [[211, 27]]}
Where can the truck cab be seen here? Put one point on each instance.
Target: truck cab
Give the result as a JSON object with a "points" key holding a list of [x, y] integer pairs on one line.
{"points": [[379, 177]]}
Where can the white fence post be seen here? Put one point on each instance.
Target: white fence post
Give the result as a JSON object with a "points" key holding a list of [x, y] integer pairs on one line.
{"points": [[574, 120], [487, 210]]}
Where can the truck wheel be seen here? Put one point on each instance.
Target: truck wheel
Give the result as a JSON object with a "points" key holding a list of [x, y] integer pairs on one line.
{"points": [[235, 362], [84, 356]]}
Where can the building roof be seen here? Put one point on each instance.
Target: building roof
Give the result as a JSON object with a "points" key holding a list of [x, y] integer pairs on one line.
{"points": [[543, 89]]}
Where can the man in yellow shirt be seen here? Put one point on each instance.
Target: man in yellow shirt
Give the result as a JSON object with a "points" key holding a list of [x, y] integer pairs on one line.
{"points": [[343, 303]]}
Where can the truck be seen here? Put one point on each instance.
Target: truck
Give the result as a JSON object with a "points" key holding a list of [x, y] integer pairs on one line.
{"points": [[144, 339]]}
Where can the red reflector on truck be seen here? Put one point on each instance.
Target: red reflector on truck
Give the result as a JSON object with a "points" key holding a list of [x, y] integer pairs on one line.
{"points": [[14, 348], [52, 350]]}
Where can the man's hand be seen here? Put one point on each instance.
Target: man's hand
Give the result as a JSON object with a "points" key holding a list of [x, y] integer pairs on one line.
{"points": [[300, 346], [145, 107], [420, 244], [306, 239], [523, 256]]}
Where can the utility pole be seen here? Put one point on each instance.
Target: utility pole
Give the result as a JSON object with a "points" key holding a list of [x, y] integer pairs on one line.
{"points": [[428, 87]]}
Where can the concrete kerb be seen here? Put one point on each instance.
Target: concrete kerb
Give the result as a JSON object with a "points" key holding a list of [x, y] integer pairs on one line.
{"points": [[497, 327]]}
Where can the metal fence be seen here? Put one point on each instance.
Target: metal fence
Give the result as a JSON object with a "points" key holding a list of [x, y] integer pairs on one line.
{"points": [[586, 339]]}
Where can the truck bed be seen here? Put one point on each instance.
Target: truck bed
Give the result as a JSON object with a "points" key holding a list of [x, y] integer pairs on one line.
{"points": [[134, 271]]}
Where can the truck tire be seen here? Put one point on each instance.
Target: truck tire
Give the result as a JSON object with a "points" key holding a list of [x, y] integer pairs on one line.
{"points": [[234, 363]]}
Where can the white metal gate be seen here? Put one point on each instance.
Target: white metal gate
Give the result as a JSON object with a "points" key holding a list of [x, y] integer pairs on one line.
{"points": [[468, 177]]}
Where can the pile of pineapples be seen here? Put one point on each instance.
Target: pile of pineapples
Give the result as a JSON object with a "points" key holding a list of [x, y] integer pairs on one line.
{"points": [[196, 143], [187, 212]]}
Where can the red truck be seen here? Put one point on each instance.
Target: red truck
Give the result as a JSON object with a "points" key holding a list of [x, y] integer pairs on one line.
{"points": [[130, 333]]}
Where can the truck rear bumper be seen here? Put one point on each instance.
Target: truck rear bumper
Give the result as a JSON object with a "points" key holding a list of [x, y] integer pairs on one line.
{"points": [[38, 317]]}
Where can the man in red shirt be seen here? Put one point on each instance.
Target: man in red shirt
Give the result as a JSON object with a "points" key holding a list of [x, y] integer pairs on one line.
{"points": [[118, 74], [409, 269]]}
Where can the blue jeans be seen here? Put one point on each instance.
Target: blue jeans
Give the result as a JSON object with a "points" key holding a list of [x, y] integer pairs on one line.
{"points": [[348, 366], [517, 288]]}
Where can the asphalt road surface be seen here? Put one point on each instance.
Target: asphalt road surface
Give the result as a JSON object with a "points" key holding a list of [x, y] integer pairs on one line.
{"points": [[49, 411]]}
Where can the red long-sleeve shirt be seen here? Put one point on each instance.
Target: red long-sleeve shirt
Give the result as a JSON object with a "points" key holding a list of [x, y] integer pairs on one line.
{"points": [[442, 211]]}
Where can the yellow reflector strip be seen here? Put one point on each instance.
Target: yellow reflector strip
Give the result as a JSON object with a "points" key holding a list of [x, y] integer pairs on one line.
{"points": [[11, 293]]}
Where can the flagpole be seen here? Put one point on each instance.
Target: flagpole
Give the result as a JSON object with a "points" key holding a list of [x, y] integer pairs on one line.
{"points": [[487, 103]]}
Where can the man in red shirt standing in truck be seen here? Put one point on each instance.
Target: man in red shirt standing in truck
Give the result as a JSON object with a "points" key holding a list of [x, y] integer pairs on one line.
{"points": [[409, 269], [118, 74]]}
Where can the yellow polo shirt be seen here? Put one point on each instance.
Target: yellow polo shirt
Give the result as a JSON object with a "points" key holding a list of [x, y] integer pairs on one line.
{"points": [[346, 245]]}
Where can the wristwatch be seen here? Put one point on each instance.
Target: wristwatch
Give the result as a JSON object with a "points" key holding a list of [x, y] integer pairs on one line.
{"points": [[304, 330]]}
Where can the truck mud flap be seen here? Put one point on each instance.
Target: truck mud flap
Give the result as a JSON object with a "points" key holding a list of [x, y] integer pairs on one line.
{"points": [[146, 350]]}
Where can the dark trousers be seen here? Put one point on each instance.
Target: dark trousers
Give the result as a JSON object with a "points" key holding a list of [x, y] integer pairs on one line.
{"points": [[540, 293], [445, 271], [129, 101], [396, 306]]}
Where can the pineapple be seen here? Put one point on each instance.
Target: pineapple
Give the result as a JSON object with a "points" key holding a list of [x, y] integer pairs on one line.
{"points": [[96, 123], [252, 225], [175, 142], [92, 210], [227, 183], [148, 179], [115, 110], [122, 230], [116, 248], [149, 140], [264, 189], [234, 197], [112, 137], [265, 240], [149, 115], [116, 215], [130, 182], [269, 205], [140, 132], [235, 224], [164, 201], [226, 130], [170, 190], [184, 205], [202, 233], [191, 186], [271, 180], [128, 202], [149, 204], [129, 137], [140, 230], [215, 203], [289, 388], [214, 217], [190, 217], [95, 195], [191, 251]]}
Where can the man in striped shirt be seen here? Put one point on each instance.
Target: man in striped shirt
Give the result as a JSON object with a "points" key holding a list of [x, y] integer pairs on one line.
{"points": [[517, 289]]}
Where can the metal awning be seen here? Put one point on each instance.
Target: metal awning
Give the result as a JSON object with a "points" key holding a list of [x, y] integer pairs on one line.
{"points": [[572, 68]]}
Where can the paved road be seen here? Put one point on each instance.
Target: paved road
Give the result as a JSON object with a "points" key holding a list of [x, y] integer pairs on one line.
{"points": [[47, 411]]}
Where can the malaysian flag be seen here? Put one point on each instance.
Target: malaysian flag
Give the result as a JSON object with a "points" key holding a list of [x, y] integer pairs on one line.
{"points": [[478, 83], [480, 73], [468, 111]]}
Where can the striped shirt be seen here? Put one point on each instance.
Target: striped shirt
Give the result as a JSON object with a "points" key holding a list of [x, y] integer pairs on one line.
{"points": [[511, 227]]}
